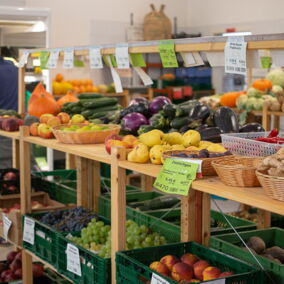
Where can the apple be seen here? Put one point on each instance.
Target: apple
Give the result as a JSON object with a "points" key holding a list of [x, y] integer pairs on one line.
{"points": [[34, 129], [225, 274], [182, 271], [160, 268], [45, 117], [77, 118], [189, 258], [10, 176], [211, 273], [113, 137], [64, 117], [16, 264], [18, 273], [37, 270], [53, 121], [45, 131], [11, 256], [130, 140], [198, 268], [169, 261]]}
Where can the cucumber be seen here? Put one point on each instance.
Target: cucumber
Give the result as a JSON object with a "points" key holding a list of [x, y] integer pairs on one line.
{"points": [[100, 114], [112, 107], [87, 113], [89, 96], [100, 103], [179, 122], [169, 110], [182, 111]]}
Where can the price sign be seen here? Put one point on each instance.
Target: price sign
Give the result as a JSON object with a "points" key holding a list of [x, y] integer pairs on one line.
{"points": [[24, 58], [6, 226], [29, 231], [122, 57], [43, 59], [137, 60], [73, 259], [68, 61], [95, 58], [167, 53], [176, 176], [52, 60], [235, 56], [156, 279]]}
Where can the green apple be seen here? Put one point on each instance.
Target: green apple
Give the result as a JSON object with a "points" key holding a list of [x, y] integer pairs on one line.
{"points": [[77, 118]]}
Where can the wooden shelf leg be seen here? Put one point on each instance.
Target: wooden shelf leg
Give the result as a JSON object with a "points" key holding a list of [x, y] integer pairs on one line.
{"points": [[206, 219], [16, 153], [27, 267], [276, 121], [70, 161], [263, 219], [147, 183], [266, 119], [118, 206], [96, 184]]}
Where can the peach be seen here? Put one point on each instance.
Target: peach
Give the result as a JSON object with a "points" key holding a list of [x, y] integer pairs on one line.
{"points": [[54, 121], [160, 268], [130, 140], [189, 258], [169, 261], [45, 117], [225, 274], [182, 271], [33, 129], [45, 131], [211, 273], [198, 268], [64, 117]]}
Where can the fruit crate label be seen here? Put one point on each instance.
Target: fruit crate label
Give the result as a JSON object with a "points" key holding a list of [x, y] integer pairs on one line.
{"points": [[176, 176], [52, 60], [68, 61], [29, 231], [6, 226], [73, 259], [122, 57], [167, 53], [156, 279], [235, 55], [137, 60], [96, 61], [24, 59]]}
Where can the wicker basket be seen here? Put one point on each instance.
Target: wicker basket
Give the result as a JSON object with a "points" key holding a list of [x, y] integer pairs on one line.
{"points": [[87, 137], [273, 186], [206, 167], [238, 171]]}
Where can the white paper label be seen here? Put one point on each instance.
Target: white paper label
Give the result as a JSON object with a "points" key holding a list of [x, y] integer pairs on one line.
{"points": [[52, 60], [122, 57], [115, 77], [73, 259], [156, 279], [235, 56], [191, 59], [68, 61], [96, 61], [218, 281], [29, 231], [24, 59], [6, 226]]}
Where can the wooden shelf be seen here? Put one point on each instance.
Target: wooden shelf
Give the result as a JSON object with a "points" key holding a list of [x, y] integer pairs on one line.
{"points": [[13, 135], [277, 113]]}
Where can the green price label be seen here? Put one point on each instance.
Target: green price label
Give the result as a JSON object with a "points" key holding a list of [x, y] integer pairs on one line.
{"points": [[167, 53], [43, 59], [266, 62], [176, 176], [112, 59], [137, 60]]}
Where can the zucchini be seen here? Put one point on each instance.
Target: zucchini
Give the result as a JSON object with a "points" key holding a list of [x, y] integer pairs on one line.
{"points": [[76, 109], [100, 114], [87, 113], [89, 96], [169, 111], [112, 107], [182, 111], [179, 122], [100, 103]]}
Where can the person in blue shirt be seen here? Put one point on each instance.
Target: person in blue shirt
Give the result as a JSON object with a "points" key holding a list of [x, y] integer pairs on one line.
{"points": [[8, 100]]}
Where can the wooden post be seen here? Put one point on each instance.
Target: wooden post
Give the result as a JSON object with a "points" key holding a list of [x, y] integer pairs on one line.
{"points": [[276, 121], [147, 183], [96, 184], [118, 206], [263, 219], [266, 119], [21, 90], [206, 218], [70, 161], [25, 181], [16, 153]]}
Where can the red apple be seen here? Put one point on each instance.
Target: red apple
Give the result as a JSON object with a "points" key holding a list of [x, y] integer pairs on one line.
{"points": [[130, 140], [45, 131], [64, 117], [16, 264], [37, 270], [10, 176], [113, 137], [45, 117], [53, 121], [34, 129], [11, 256], [18, 273]]}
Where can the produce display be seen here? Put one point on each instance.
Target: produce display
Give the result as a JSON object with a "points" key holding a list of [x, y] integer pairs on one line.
{"points": [[97, 237], [10, 120], [188, 268]]}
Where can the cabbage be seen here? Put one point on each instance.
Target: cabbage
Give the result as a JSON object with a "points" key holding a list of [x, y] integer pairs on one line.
{"points": [[251, 102], [258, 105], [241, 102], [254, 93], [276, 76]]}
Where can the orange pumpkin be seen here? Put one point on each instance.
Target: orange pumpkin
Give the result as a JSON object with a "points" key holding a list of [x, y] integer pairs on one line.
{"points": [[230, 99], [262, 84], [68, 98], [42, 104], [38, 90]]}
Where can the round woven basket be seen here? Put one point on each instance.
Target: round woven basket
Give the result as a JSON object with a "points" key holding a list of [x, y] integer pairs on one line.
{"points": [[87, 137], [207, 168], [273, 186], [238, 171]]}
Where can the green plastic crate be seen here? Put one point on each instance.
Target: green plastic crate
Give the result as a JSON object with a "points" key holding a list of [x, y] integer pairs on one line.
{"points": [[55, 278], [231, 244], [132, 267]]}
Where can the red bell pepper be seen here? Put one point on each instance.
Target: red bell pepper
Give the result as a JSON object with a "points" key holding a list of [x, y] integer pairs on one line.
{"points": [[273, 133]]}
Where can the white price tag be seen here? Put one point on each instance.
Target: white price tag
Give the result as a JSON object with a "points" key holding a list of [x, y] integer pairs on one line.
{"points": [[156, 279], [96, 61], [29, 231], [6, 226], [68, 61], [52, 60], [115, 77], [218, 281], [122, 57], [191, 59], [73, 259], [24, 59], [235, 55]]}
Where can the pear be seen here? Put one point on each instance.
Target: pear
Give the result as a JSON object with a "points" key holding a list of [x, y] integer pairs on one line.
{"points": [[151, 138], [191, 138], [173, 138], [140, 154]]}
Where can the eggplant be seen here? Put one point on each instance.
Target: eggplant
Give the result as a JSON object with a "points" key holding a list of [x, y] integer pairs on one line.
{"points": [[139, 108], [252, 127], [226, 119], [210, 119], [199, 112], [169, 111], [212, 134], [158, 121], [184, 129], [201, 127]]}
